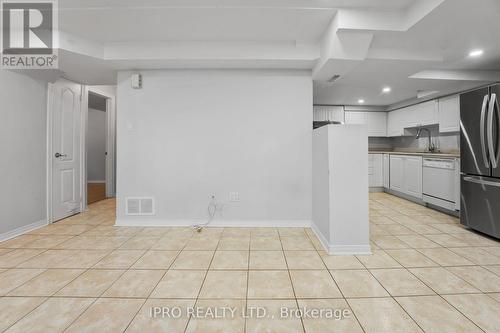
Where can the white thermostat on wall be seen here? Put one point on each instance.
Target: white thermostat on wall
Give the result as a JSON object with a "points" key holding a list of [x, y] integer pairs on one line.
{"points": [[136, 81]]}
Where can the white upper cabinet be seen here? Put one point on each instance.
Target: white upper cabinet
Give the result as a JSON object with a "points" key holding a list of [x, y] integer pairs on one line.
{"points": [[395, 123], [328, 113], [422, 114], [355, 117], [449, 114], [376, 121]]}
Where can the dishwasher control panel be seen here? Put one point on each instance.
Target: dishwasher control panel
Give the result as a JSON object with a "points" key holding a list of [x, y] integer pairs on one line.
{"points": [[439, 163]]}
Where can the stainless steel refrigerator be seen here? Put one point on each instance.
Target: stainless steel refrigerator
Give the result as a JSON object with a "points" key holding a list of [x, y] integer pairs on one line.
{"points": [[480, 160]]}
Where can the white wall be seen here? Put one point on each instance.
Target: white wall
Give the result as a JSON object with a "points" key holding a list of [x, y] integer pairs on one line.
{"points": [[321, 185], [96, 145], [22, 151], [190, 133]]}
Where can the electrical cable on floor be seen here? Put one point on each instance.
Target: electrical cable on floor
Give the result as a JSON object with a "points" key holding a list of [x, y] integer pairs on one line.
{"points": [[212, 210]]}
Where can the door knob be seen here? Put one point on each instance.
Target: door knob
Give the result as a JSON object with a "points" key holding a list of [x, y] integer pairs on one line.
{"points": [[60, 155]]}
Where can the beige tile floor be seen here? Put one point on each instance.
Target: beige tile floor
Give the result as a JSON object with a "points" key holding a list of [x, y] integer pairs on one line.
{"points": [[427, 273]]}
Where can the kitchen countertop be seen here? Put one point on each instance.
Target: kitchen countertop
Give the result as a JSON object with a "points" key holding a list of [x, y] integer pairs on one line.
{"points": [[396, 152]]}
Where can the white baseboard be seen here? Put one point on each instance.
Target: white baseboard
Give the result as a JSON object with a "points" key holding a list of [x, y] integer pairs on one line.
{"points": [[340, 249], [215, 223], [22, 230], [350, 249], [321, 237]]}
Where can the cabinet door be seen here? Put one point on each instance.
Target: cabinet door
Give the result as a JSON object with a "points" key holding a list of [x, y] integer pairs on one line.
{"points": [[335, 113], [386, 170], [328, 113], [426, 113], [397, 172], [393, 123], [410, 116], [378, 171], [355, 117], [413, 176], [320, 113], [371, 181], [377, 123], [449, 114]]}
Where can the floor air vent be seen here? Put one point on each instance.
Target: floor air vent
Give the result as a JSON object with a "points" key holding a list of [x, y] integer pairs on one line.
{"points": [[140, 206]]}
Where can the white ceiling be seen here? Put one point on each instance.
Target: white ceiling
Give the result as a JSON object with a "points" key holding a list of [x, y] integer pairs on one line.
{"points": [[441, 40], [204, 24], [370, 43]]}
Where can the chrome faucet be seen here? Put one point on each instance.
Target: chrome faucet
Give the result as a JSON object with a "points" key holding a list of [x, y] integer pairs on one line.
{"points": [[431, 147]]}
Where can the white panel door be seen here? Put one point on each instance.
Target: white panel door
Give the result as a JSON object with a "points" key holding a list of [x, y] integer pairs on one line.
{"points": [[413, 176], [66, 127], [397, 173]]}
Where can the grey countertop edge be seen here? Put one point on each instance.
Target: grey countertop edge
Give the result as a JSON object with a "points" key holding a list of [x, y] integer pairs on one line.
{"points": [[393, 152]]}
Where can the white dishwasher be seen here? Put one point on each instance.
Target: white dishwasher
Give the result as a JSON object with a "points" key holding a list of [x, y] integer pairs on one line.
{"points": [[438, 182]]}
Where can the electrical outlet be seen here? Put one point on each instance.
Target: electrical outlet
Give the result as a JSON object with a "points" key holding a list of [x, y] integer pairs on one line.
{"points": [[234, 196]]}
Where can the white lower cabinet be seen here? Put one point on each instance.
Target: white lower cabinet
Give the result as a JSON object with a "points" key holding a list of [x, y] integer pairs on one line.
{"points": [[397, 172], [375, 170], [386, 170], [406, 174], [413, 176]]}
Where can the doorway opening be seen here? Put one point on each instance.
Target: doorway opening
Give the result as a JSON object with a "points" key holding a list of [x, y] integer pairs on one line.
{"points": [[100, 144], [81, 127], [96, 148]]}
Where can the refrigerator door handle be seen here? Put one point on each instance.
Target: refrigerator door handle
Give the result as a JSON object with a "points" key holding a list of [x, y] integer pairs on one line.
{"points": [[493, 108], [481, 131], [480, 180]]}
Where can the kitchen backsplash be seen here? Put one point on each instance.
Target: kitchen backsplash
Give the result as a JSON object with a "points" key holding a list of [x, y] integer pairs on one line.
{"points": [[446, 142]]}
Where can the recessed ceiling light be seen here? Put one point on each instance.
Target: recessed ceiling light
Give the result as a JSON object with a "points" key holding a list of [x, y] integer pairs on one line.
{"points": [[361, 101], [476, 53], [386, 90]]}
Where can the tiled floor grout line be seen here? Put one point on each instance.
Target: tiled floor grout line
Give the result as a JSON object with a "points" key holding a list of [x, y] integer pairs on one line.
{"points": [[47, 297], [248, 282], [156, 285], [392, 297], [95, 300], [204, 279], [340, 290], [291, 281], [104, 291], [477, 243]]}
